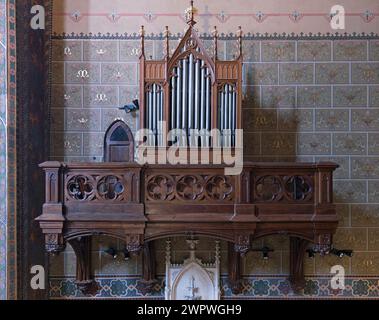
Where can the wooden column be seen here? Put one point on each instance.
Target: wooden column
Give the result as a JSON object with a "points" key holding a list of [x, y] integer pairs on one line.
{"points": [[234, 269], [297, 252]]}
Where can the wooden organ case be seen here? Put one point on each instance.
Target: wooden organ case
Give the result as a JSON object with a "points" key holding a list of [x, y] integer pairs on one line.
{"points": [[190, 93]]}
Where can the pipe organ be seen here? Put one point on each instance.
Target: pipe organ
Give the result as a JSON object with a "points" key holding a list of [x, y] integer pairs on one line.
{"points": [[192, 92]]}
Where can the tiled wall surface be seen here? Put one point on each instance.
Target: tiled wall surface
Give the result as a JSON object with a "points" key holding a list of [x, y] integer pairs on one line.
{"points": [[3, 148], [304, 100]]}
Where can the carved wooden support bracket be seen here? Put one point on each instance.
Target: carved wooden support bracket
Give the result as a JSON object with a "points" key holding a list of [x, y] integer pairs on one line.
{"points": [[298, 247], [84, 278], [234, 269], [148, 281]]}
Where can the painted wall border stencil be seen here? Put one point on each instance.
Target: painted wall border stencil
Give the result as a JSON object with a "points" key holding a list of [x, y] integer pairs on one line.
{"points": [[271, 16]]}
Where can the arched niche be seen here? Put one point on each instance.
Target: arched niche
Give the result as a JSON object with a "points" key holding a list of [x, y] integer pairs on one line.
{"points": [[119, 143]]}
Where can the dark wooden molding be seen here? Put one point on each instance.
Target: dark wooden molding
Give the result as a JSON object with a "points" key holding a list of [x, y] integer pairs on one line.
{"points": [[33, 140]]}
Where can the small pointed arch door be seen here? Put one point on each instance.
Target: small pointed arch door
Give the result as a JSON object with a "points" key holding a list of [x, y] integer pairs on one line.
{"points": [[119, 143]]}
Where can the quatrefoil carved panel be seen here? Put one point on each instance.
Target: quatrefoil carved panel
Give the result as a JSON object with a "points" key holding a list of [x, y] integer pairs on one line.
{"points": [[190, 187], [110, 188], [269, 188], [160, 188], [219, 188], [80, 188]]}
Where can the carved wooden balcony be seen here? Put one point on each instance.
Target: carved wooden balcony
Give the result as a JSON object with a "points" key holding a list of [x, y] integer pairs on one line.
{"points": [[139, 204]]}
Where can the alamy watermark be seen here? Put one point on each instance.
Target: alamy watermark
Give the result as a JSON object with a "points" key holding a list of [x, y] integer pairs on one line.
{"points": [[181, 147], [38, 20]]}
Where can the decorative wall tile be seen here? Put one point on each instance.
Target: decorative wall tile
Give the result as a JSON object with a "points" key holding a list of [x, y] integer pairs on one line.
{"points": [[332, 73], [296, 73], [373, 191], [282, 96], [373, 143], [295, 120], [279, 144], [364, 215], [374, 96], [83, 120], [323, 264], [116, 73], [350, 96], [349, 143], [251, 97], [93, 144], [279, 242], [82, 73], [278, 51], [130, 50], [317, 144], [252, 143], [255, 264], [66, 96], [108, 116], [100, 96], [119, 266], [351, 238], [259, 119], [373, 239], [365, 120], [128, 94], [100, 50], [332, 120], [67, 50], [365, 73], [364, 168], [314, 50], [374, 50], [350, 50], [350, 191], [313, 96], [250, 51], [69, 144], [259, 74], [209, 48], [365, 263], [343, 213]]}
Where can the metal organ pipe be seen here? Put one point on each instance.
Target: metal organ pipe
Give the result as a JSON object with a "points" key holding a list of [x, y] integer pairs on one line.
{"points": [[184, 96]]}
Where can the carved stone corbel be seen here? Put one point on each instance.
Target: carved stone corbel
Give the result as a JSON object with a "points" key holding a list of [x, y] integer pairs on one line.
{"points": [[148, 281], [134, 242], [84, 278], [54, 243], [242, 243], [323, 244], [234, 269], [298, 247]]}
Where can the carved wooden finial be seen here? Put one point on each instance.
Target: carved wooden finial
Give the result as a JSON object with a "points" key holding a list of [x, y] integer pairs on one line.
{"points": [[215, 44], [239, 35], [142, 34], [167, 35], [190, 14]]}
